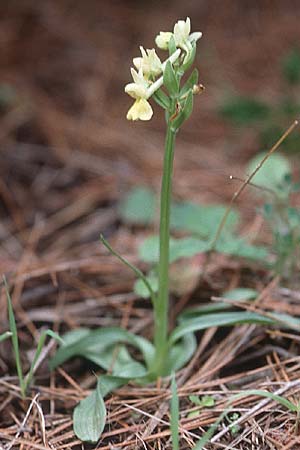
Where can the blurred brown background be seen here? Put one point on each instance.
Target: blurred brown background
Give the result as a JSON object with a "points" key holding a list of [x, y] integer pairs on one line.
{"points": [[67, 152]]}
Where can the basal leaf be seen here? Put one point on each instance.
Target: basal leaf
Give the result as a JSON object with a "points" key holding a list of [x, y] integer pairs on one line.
{"points": [[138, 207], [239, 247], [241, 294], [238, 294], [179, 248], [96, 345], [181, 353], [217, 320], [202, 220], [141, 289], [272, 173], [90, 416]]}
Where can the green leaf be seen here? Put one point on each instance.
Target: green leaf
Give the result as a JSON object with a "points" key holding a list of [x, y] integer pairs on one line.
{"points": [[90, 416], [174, 415], [38, 351], [291, 66], [207, 401], [207, 308], [244, 110], [238, 247], [179, 248], [217, 320], [138, 207], [202, 220], [14, 337], [241, 294], [185, 112], [181, 353], [118, 359], [189, 84], [170, 80], [141, 289], [209, 433], [161, 99], [5, 335], [272, 173], [97, 345]]}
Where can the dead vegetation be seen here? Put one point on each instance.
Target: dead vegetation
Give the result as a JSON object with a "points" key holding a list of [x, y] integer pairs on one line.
{"points": [[67, 156]]}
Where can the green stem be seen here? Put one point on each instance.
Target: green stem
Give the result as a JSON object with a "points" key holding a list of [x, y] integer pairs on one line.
{"points": [[162, 304]]}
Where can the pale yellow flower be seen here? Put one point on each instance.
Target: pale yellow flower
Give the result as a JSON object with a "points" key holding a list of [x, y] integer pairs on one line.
{"points": [[182, 31], [138, 89], [162, 39], [140, 110], [142, 89], [149, 62]]}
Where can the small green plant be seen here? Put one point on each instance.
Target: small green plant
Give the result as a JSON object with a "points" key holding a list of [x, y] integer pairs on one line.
{"points": [[146, 361], [24, 380], [277, 187], [267, 118]]}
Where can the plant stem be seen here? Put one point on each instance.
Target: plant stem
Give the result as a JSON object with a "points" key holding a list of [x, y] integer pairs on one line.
{"points": [[162, 301]]}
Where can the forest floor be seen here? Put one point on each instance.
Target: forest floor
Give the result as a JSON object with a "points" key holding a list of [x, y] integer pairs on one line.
{"points": [[67, 157]]}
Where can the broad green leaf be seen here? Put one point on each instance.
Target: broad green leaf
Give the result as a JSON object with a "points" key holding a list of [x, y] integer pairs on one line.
{"points": [[90, 416], [96, 344], [191, 81], [170, 80], [224, 319], [118, 359], [272, 173], [202, 220], [181, 353], [74, 336], [138, 207], [141, 289], [174, 415], [244, 110], [186, 248], [179, 248], [291, 66], [149, 249], [238, 247]]}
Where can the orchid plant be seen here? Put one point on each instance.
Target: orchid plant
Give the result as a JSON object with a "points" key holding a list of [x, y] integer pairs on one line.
{"points": [[108, 347]]}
